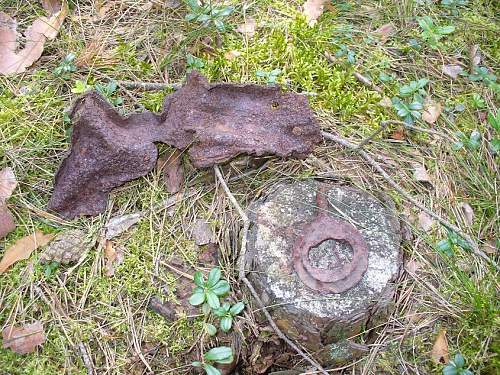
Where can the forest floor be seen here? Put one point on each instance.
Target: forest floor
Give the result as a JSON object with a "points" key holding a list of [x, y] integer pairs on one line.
{"points": [[449, 163]]}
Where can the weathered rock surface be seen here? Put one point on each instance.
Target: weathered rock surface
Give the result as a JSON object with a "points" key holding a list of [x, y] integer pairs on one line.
{"points": [[215, 122], [315, 318]]}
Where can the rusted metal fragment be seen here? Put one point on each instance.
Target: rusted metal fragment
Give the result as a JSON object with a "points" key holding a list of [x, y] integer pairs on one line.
{"points": [[220, 121], [215, 122], [340, 278], [107, 150]]}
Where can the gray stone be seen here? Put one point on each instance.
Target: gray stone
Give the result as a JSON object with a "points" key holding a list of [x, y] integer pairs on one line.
{"points": [[317, 319]]}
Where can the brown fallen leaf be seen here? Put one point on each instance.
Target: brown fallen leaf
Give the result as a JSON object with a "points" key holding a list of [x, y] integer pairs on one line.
{"points": [[313, 9], [114, 257], [42, 29], [439, 352], [66, 247], [412, 266], [24, 339], [468, 213], [52, 6], [7, 224], [385, 31], [201, 232], [425, 221], [231, 55], [8, 182], [452, 70], [432, 111], [173, 173], [420, 173], [398, 134], [385, 102], [119, 224], [23, 248], [247, 28]]}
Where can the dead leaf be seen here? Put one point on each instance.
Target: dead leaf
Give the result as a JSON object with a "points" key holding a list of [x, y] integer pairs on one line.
{"points": [[247, 28], [173, 173], [385, 31], [8, 182], [52, 6], [67, 247], [412, 266], [468, 213], [385, 102], [37, 34], [201, 232], [439, 352], [147, 6], [452, 70], [23, 248], [114, 257], [231, 55], [420, 173], [7, 224], [25, 339], [490, 247], [398, 134], [425, 221], [119, 224], [432, 111], [313, 9]]}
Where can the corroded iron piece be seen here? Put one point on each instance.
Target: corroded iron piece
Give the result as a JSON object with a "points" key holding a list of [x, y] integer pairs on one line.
{"points": [[323, 228], [220, 121], [215, 122], [338, 279]]}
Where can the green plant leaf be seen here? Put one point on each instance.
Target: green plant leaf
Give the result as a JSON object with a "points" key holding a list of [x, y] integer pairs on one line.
{"points": [[218, 354], [196, 364], [450, 370], [495, 145], [213, 277], [226, 323], [212, 299], [211, 329], [446, 29], [220, 312], [237, 308], [445, 247], [197, 299], [221, 288], [211, 370], [198, 279], [459, 360], [205, 309], [494, 120]]}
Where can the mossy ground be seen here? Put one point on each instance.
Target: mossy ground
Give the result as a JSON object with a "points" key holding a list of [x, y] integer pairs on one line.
{"points": [[459, 293]]}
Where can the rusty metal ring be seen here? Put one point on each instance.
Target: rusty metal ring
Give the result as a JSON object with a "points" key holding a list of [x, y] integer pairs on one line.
{"points": [[340, 278]]}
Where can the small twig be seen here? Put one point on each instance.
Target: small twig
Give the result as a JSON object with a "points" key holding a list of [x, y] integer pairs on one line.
{"points": [[344, 142], [86, 358], [365, 141], [156, 305], [242, 276], [149, 86], [367, 82]]}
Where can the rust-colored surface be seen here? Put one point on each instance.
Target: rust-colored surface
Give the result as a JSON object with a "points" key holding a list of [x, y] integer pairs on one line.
{"points": [[215, 122], [220, 121], [107, 150], [325, 227]]}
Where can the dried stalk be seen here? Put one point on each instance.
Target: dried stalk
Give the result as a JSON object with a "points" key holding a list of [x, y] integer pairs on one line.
{"points": [[148, 86], [344, 142], [242, 276]]}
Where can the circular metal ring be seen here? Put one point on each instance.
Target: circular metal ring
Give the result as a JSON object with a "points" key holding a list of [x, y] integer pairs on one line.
{"points": [[340, 278]]}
